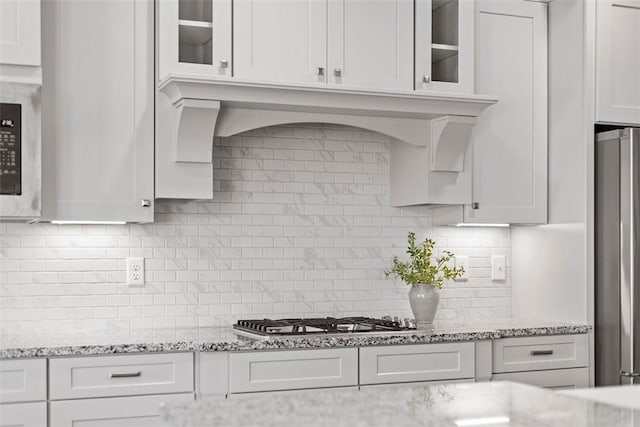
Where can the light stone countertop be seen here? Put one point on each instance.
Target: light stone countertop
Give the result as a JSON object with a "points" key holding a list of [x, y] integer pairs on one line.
{"points": [[76, 343], [487, 404]]}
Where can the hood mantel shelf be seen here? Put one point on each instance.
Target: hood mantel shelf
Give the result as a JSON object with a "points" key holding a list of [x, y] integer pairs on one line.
{"points": [[192, 111]]}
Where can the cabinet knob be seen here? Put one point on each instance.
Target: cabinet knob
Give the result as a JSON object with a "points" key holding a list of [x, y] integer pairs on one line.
{"points": [[224, 63], [321, 71], [475, 205], [426, 78], [145, 203], [337, 72]]}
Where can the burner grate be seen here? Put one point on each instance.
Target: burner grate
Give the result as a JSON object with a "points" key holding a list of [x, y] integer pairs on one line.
{"points": [[328, 325]]}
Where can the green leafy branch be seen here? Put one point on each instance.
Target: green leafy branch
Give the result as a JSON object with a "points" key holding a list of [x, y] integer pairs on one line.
{"points": [[423, 268]]}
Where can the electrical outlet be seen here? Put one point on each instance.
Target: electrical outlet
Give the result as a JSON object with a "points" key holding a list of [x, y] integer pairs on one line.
{"points": [[498, 267], [462, 261], [135, 271]]}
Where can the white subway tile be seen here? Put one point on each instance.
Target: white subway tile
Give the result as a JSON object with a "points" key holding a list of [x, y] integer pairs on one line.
{"points": [[299, 225]]}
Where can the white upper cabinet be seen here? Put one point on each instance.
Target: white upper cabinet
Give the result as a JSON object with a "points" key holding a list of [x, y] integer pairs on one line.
{"points": [[98, 110], [354, 43], [444, 53], [280, 41], [395, 45], [20, 32], [370, 43], [618, 62], [194, 37], [509, 141]]}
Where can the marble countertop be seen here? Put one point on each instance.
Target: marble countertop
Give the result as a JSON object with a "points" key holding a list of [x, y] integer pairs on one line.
{"points": [[627, 396], [487, 404], [224, 339]]}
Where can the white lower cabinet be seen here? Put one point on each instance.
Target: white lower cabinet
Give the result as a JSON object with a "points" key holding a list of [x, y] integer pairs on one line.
{"points": [[23, 380], [293, 369], [540, 353], [556, 378], [423, 362], [557, 361], [139, 411], [120, 375], [24, 414], [418, 383]]}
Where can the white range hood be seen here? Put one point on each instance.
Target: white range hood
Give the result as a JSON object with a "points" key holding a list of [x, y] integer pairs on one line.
{"points": [[192, 111]]}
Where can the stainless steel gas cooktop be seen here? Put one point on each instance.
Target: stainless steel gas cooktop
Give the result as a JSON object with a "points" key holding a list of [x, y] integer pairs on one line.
{"points": [[319, 326]]}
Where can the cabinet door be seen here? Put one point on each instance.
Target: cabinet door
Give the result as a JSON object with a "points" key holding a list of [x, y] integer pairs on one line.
{"points": [[20, 32], [370, 43], [23, 380], [194, 37], [444, 52], [120, 375], [416, 384], [98, 110], [540, 353], [555, 379], [295, 369], [142, 411], [276, 40], [618, 62], [425, 362], [23, 414], [510, 139]]}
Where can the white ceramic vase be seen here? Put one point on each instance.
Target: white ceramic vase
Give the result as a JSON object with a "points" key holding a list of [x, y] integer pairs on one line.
{"points": [[424, 301]]}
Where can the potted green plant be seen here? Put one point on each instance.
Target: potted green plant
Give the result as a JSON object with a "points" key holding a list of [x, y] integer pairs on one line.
{"points": [[426, 274]]}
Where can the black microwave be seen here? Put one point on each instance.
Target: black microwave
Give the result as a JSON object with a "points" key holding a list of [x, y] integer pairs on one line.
{"points": [[20, 152]]}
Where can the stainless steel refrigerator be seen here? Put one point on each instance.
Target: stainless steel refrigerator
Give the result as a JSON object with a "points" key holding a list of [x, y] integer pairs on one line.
{"points": [[617, 257]]}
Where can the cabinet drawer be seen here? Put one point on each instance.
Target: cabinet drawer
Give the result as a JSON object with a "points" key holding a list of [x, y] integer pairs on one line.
{"points": [[417, 384], [23, 414], [23, 380], [295, 369], [138, 411], [122, 375], [539, 353], [556, 378], [424, 362]]}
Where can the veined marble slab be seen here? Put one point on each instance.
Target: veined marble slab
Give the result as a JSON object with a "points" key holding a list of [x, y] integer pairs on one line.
{"points": [[486, 404], [223, 339]]}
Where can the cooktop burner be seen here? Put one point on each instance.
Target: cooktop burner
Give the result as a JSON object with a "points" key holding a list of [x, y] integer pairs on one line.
{"points": [[328, 325]]}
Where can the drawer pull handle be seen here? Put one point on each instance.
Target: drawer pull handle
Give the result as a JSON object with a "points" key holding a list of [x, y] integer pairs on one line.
{"points": [[541, 352], [125, 374]]}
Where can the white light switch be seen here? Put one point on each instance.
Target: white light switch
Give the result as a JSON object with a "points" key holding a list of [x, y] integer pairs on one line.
{"points": [[462, 261], [498, 267]]}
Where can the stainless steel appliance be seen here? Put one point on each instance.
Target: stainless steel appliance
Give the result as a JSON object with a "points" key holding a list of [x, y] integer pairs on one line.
{"points": [[265, 328], [617, 257], [20, 152]]}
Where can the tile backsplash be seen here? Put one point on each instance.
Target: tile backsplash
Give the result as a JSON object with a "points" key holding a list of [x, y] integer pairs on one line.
{"points": [[299, 225]]}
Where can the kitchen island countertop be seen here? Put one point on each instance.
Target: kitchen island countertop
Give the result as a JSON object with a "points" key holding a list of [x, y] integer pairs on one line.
{"points": [[75, 343], [456, 405]]}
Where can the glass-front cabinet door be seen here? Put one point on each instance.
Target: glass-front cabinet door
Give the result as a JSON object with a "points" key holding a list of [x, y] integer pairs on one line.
{"points": [[194, 37], [444, 48]]}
